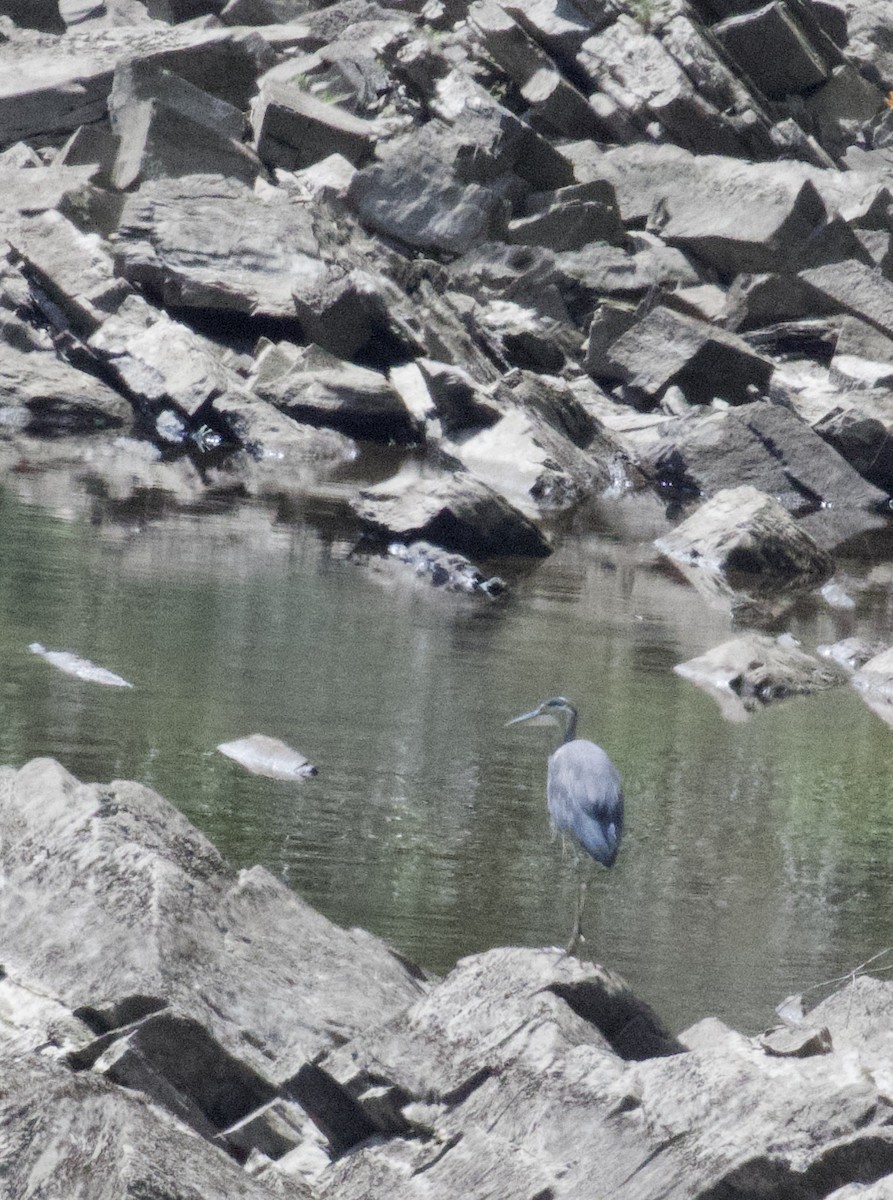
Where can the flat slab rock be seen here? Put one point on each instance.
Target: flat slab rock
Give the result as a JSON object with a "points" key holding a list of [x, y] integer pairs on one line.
{"points": [[268, 976], [202, 241]]}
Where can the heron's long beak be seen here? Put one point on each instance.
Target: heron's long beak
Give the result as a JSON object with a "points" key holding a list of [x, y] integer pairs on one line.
{"points": [[529, 716]]}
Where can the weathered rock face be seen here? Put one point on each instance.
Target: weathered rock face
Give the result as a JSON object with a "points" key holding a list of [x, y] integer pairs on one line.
{"points": [[750, 540]]}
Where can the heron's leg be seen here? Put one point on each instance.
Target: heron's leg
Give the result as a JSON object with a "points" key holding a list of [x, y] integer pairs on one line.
{"points": [[577, 934]]}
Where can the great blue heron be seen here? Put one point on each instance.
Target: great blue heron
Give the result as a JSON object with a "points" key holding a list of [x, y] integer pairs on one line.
{"points": [[583, 792]]}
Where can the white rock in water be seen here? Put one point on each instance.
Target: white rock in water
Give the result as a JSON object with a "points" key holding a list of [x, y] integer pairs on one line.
{"points": [[262, 755], [81, 668]]}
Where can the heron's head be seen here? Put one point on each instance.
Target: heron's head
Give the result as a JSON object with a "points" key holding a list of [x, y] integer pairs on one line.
{"points": [[556, 711]]}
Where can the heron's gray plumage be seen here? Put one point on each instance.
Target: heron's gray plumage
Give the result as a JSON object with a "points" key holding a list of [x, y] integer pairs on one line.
{"points": [[585, 798]]}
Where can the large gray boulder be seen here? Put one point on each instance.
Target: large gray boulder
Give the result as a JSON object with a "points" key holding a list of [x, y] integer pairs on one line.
{"points": [[80, 1136], [117, 905], [750, 540], [666, 347], [416, 200], [206, 242], [451, 509], [764, 445]]}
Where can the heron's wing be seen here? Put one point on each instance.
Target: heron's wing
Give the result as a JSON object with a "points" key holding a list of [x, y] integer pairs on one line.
{"points": [[586, 798]]}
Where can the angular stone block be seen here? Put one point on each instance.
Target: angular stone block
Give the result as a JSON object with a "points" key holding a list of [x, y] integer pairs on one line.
{"points": [[750, 539], [667, 347], [772, 49], [167, 127], [293, 129], [420, 203], [453, 510]]}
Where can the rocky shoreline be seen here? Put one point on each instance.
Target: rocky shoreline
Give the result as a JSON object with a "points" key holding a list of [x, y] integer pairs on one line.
{"points": [[171, 1027], [532, 253]]}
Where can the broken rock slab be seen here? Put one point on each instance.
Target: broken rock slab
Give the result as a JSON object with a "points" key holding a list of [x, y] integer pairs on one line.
{"points": [[666, 347], [754, 670], [268, 977], [416, 200], [168, 127], [206, 242], [293, 129], [724, 1118], [750, 540], [42, 395], [452, 509], [764, 445], [316, 388], [535, 467], [49, 1115], [857, 289]]}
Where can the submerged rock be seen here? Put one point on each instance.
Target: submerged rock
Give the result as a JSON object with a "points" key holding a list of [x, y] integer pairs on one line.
{"points": [[753, 669], [80, 668], [263, 755]]}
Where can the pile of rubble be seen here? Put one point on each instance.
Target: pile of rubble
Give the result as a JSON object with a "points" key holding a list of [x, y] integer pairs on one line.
{"points": [[550, 248]]}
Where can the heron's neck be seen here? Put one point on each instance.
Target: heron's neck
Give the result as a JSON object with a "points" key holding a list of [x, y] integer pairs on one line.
{"points": [[570, 731]]}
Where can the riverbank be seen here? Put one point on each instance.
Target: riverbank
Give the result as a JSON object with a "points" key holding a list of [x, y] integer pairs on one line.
{"points": [[151, 993]]}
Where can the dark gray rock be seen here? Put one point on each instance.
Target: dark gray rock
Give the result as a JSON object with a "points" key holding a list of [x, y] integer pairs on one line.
{"points": [[357, 312], [453, 510], [765, 446], [794, 63], [665, 347], [855, 288], [416, 200], [318, 389], [293, 129], [263, 12], [760, 230], [175, 11], [640, 75], [34, 14], [445, 398], [753, 669], [750, 540]]}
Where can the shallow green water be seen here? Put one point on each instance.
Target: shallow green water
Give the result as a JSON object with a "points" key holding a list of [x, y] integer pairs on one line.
{"points": [[757, 858]]}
